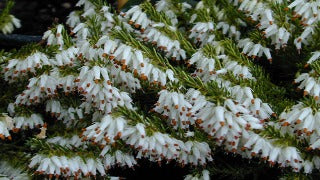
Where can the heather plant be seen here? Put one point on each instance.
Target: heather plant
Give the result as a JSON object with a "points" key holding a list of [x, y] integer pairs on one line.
{"points": [[170, 81]]}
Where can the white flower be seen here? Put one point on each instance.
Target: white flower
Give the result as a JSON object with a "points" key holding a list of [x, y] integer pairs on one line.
{"points": [[73, 19], [314, 57], [254, 50], [103, 95], [27, 122], [176, 108], [6, 124], [18, 68], [171, 47], [310, 84], [73, 141], [9, 25]]}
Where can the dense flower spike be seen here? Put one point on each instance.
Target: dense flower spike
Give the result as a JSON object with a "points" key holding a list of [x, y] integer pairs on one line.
{"points": [[17, 68], [73, 141], [158, 146], [306, 10], [176, 108], [31, 122], [254, 50], [301, 119], [96, 87], [67, 166], [257, 145]]}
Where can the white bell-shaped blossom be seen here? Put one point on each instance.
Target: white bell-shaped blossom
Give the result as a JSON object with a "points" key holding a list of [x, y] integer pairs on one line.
{"points": [[96, 87], [171, 47], [73, 141], [307, 10], [37, 89], [251, 49], [301, 119], [176, 108], [18, 68], [22, 122], [66, 166], [10, 24], [309, 84], [6, 124], [256, 145], [137, 17]]}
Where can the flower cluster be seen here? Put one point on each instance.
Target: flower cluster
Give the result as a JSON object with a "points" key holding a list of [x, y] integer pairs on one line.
{"points": [[201, 32], [67, 166], [21, 122], [268, 24], [133, 59], [8, 21], [118, 158], [55, 36], [73, 141], [288, 156], [150, 33], [306, 10], [174, 106], [309, 84], [300, 119], [156, 147], [37, 89], [253, 50], [95, 85], [17, 68], [211, 67]]}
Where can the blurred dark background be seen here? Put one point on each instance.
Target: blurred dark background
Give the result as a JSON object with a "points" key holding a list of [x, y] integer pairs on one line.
{"points": [[37, 15]]}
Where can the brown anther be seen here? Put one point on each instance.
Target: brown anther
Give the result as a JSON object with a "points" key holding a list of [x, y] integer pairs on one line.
{"points": [[299, 39], [286, 124], [119, 134], [174, 122], [137, 26], [199, 121]]}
